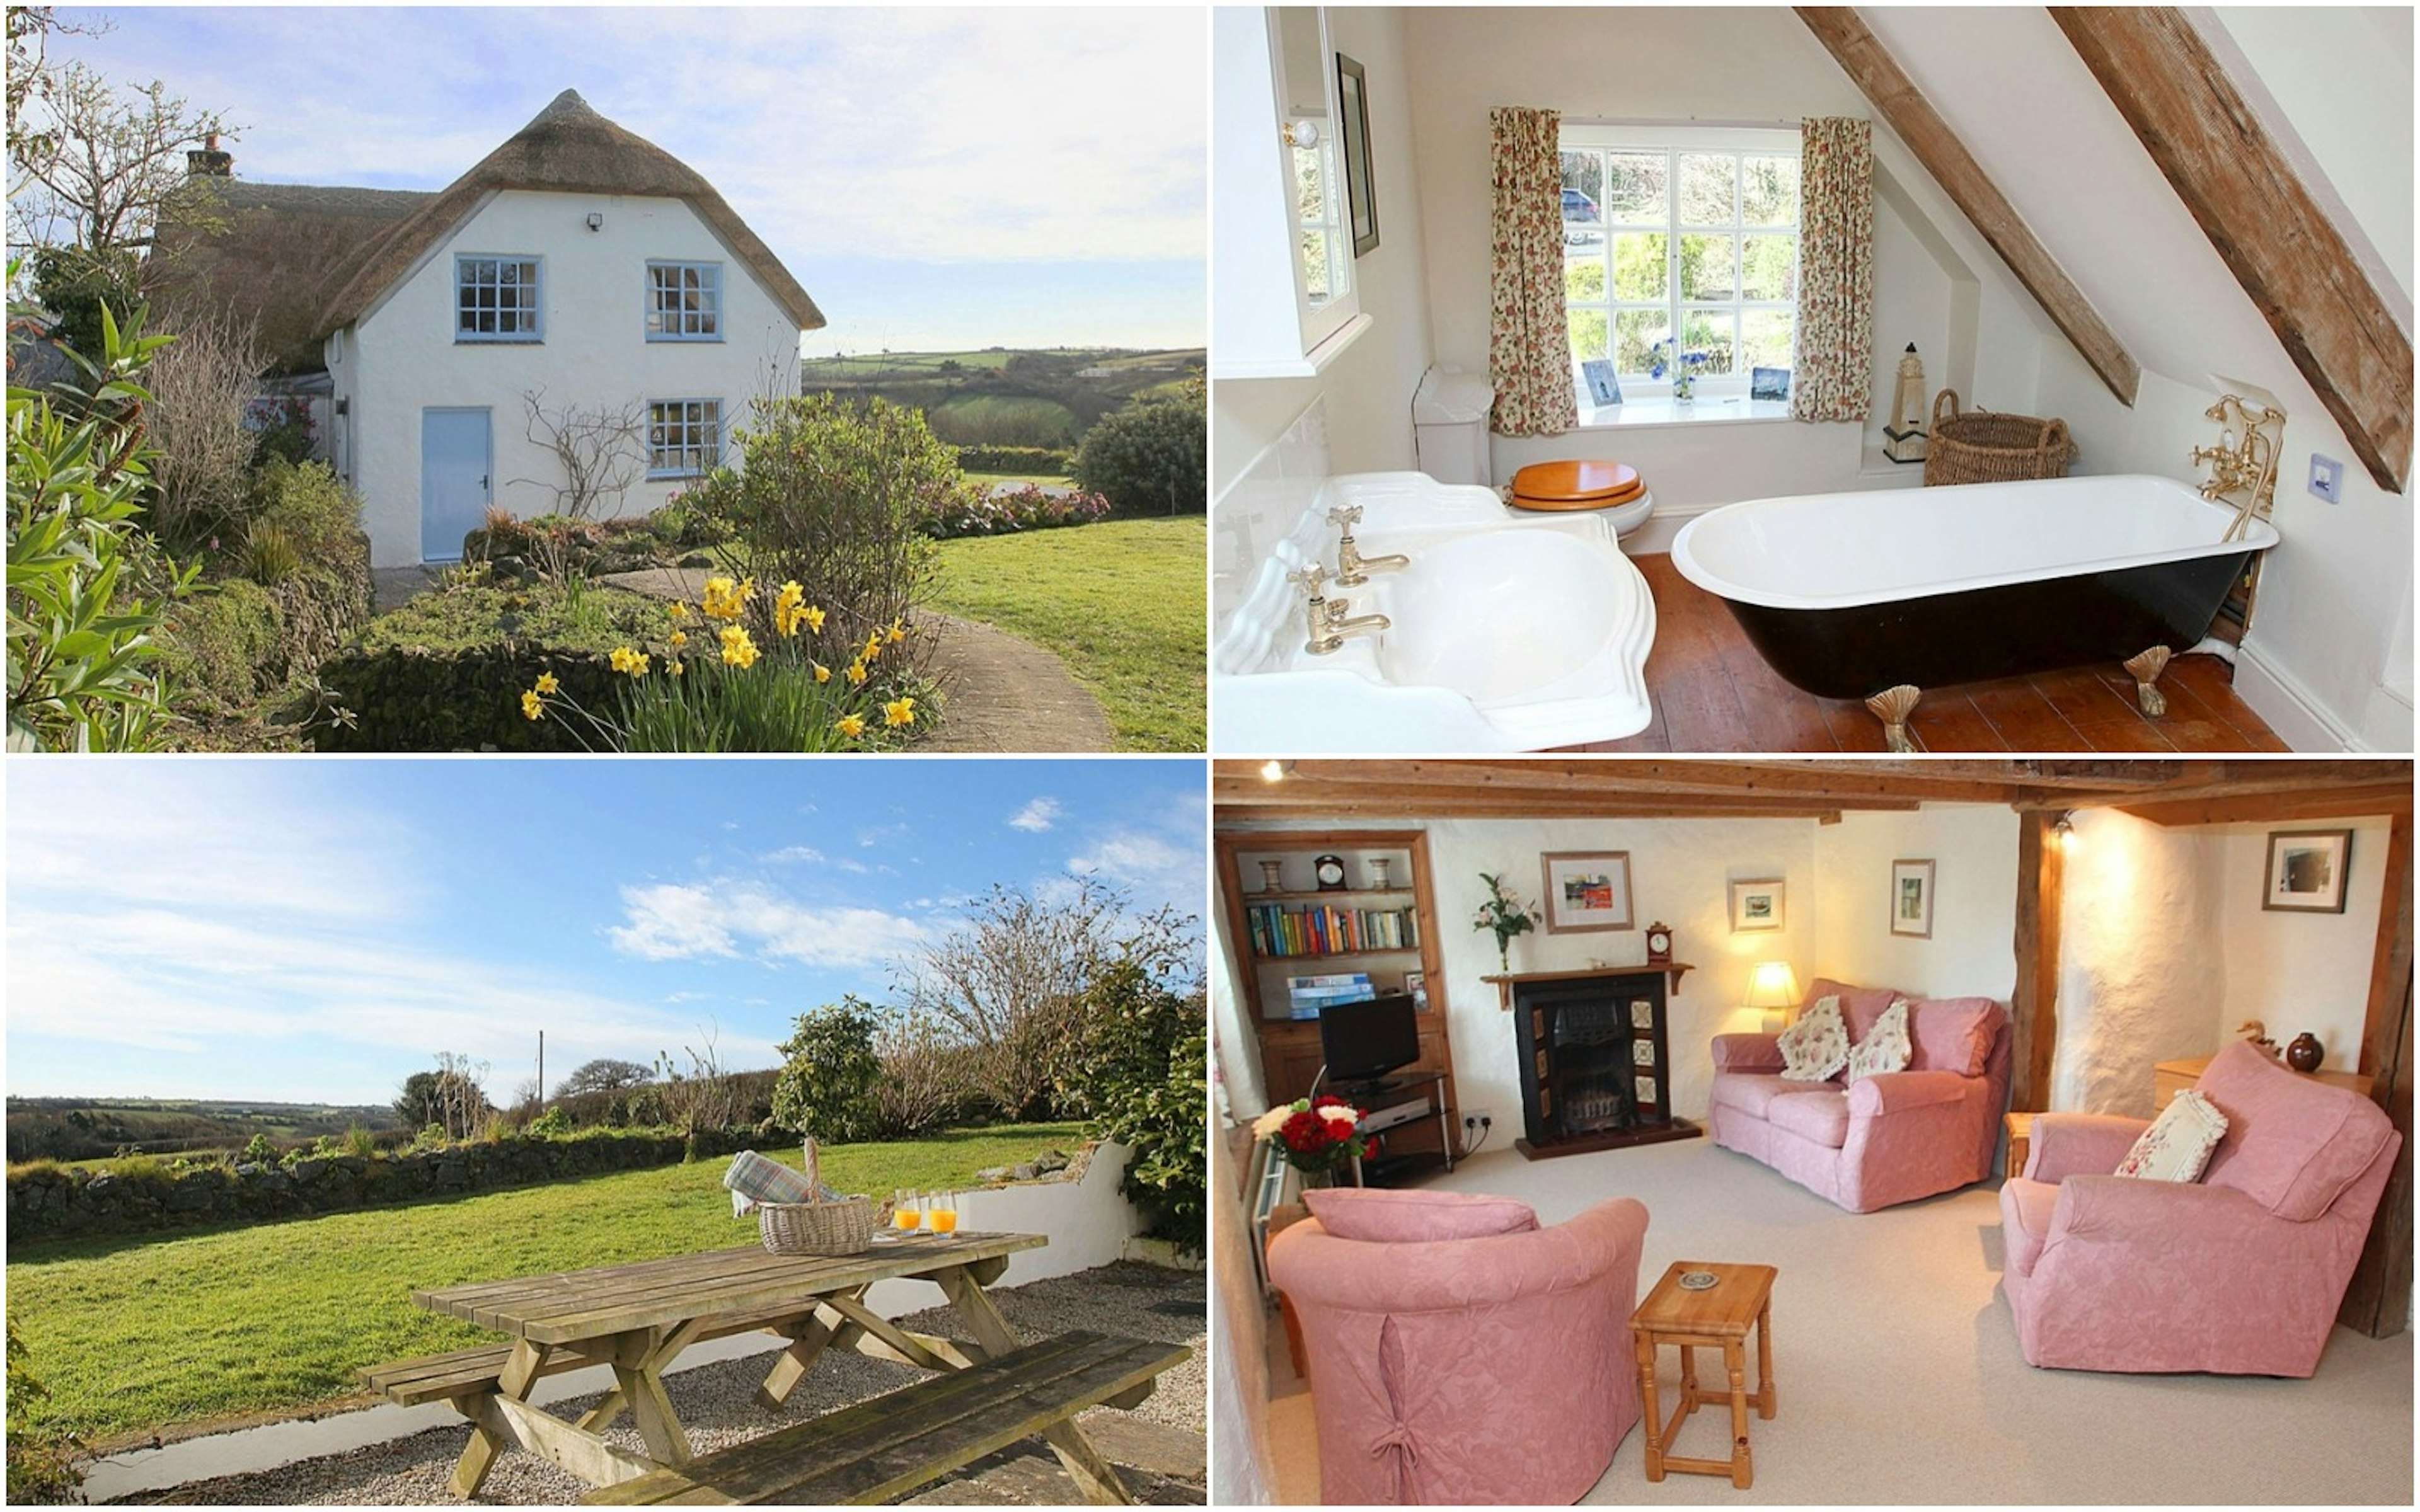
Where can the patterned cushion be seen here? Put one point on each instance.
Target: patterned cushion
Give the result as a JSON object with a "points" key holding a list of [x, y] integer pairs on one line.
{"points": [[1385, 1217], [1817, 1046], [2177, 1144], [1885, 1049]]}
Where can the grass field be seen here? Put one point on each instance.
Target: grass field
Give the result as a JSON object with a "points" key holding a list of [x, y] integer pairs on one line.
{"points": [[1122, 602], [131, 1336], [975, 417]]}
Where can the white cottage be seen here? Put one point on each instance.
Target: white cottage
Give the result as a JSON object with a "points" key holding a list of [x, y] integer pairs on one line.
{"points": [[576, 262]]}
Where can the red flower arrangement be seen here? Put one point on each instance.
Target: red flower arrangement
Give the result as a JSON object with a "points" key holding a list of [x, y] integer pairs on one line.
{"points": [[1317, 1133]]}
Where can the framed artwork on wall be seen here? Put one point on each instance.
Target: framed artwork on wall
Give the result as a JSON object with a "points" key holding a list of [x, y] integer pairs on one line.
{"points": [[1756, 905], [1353, 126], [1910, 901], [2306, 870], [1586, 890]]}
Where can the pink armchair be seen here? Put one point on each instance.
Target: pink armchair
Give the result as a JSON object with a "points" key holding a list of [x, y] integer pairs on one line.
{"points": [[1496, 1368], [2239, 1275]]}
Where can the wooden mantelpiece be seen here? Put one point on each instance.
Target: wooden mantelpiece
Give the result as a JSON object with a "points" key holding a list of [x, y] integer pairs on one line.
{"points": [[1505, 981]]}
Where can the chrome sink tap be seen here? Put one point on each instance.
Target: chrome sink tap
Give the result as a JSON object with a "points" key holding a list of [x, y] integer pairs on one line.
{"points": [[1352, 569], [1327, 616]]}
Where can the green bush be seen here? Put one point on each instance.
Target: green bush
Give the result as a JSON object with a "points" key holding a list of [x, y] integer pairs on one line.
{"points": [[833, 497], [829, 1072], [41, 1467], [1036, 459], [1138, 1070], [1151, 458], [221, 647], [260, 1151], [552, 1123], [446, 671]]}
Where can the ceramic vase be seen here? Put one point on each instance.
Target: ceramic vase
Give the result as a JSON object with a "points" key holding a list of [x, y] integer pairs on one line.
{"points": [[2305, 1054]]}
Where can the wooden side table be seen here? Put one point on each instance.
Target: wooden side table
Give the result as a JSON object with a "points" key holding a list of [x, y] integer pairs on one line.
{"points": [[2169, 1077], [2021, 1141], [1719, 1317]]}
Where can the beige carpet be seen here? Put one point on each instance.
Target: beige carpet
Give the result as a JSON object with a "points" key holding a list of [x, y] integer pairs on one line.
{"points": [[1899, 1373]]}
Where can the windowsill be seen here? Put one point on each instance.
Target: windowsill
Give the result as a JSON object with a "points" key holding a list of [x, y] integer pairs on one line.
{"points": [[1731, 409], [684, 341]]}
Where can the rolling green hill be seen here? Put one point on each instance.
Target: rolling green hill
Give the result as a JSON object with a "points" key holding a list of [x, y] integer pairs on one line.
{"points": [[1004, 397], [79, 1128]]}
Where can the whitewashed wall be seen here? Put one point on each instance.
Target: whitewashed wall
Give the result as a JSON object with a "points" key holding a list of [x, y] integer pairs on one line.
{"points": [[1973, 948], [402, 357], [2299, 972]]}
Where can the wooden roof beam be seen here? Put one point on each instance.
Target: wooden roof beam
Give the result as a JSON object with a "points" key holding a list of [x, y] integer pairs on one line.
{"points": [[1448, 807], [1726, 779], [2273, 808], [2254, 207], [1872, 68]]}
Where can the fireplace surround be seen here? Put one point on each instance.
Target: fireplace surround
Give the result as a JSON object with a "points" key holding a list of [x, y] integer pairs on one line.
{"points": [[1595, 1058]]}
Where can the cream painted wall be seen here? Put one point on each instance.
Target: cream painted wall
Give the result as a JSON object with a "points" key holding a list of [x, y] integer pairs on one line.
{"points": [[1973, 948], [402, 356], [1369, 388], [2300, 972]]}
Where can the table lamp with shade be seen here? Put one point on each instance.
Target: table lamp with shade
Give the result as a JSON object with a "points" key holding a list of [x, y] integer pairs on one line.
{"points": [[1773, 989]]}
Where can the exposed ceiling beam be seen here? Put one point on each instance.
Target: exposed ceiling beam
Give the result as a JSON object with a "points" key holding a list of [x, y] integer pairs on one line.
{"points": [[2254, 207], [2057, 772], [2337, 803], [1872, 68], [2231, 780], [1719, 778], [1441, 803]]}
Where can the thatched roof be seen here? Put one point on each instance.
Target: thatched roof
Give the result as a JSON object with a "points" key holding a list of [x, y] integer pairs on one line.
{"points": [[569, 148], [275, 253]]}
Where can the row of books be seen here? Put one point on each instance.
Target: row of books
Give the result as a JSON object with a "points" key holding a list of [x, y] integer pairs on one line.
{"points": [[1280, 930], [1307, 995]]}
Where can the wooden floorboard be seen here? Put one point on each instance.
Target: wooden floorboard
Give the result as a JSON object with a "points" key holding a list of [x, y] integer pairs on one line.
{"points": [[1713, 692]]}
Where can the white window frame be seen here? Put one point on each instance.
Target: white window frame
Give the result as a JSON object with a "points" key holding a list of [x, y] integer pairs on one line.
{"points": [[1671, 141], [709, 288], [535, 282], [661, 428]]}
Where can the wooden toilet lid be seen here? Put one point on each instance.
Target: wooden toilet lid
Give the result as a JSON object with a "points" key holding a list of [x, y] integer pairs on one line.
{"points": [[1576, 486]]}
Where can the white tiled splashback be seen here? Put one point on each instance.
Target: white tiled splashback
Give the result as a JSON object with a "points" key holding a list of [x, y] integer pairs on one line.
{"points": [[1263, 507]]}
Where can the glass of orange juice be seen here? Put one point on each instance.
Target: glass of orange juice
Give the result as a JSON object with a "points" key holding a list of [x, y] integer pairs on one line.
{"points": [[944, 1214], [903, 1209]]}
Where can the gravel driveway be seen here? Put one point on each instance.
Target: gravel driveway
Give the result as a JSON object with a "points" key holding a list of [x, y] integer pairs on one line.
{"points": [[1159, 1443]]}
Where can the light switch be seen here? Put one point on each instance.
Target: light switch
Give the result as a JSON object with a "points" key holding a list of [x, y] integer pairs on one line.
{"points": [[2327, 478]]}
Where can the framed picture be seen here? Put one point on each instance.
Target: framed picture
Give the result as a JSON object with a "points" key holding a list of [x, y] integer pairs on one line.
{"points": [[1586, 890], [1768, 383], [1910, 901], [2306, 870], [1352, 127], [1604, 389], [1756, 905], [1415, 985]]}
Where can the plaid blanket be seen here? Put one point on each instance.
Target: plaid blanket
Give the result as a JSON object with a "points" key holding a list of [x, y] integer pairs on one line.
{"points": [[753, 1179]]}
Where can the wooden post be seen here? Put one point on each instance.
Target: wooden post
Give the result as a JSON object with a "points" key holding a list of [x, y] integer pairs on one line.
{"points": [[2033, 1011], [2379, 1294]]}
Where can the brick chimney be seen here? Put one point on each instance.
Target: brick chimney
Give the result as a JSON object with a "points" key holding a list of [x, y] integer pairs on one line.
{"points": [[208, 161]]}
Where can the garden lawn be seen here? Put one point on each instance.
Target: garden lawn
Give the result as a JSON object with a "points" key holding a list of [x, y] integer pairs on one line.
{"points": [[1123, 602], [134, 1335]]}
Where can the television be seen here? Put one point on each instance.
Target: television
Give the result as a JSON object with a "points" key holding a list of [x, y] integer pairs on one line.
{"points": [[1362, 1041]]}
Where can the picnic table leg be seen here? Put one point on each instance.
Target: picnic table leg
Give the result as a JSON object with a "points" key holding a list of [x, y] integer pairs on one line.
{"points": [[480, 1456], [806, 1347], [638, 1371], [1094, 1476]]}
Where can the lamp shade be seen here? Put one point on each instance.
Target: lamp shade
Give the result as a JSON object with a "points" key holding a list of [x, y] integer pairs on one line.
{"points": [[1771, 986]]}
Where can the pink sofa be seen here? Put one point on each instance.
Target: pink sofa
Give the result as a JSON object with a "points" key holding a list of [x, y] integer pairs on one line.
{"points": [[1492, 1369], [1889, 1138], [2240, 1273]]}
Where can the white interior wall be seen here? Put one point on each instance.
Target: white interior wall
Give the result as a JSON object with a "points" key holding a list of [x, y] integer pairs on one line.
{"points": [[2300, 972], [1973, 851]]}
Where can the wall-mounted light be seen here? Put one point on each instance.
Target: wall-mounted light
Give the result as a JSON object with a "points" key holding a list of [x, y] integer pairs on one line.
{"points": [[2064, 827], [1275, 771], [1773, 990], [1300, 134], [596, 221]]}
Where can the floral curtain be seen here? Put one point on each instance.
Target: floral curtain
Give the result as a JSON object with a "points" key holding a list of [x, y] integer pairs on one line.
{"points": [[1836, 271], [1528, 345]]}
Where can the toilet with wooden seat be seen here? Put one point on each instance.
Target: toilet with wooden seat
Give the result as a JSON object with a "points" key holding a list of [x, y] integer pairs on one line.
{"points": [[1449, 425], [1613, 491]]}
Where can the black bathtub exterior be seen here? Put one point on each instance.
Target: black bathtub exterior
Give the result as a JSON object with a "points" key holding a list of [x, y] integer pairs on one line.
{"points": [[1982, 633]]}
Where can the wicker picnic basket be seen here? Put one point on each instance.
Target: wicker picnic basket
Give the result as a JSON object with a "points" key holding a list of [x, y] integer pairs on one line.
{"points": [[1982, 446], [845, 1226]]}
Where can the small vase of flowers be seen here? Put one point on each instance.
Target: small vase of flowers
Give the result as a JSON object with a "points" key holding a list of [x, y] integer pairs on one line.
{"points": [[1317, 1135], [1666, 356], [1506, 916]]}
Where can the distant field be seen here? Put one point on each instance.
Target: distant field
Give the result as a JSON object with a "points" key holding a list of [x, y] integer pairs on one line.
{"points": [[134, 1336], [1009, 398], [981, 417], [62, 1127]]}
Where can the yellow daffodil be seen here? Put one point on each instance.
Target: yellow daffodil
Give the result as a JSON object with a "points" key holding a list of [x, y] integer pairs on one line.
{"points": [[857, 674], [738, 649], [873, 647], [902, 712], [679, 611], [853, 726], [674, 668], [897, 633], [546, 683], [531, 706], [789, 610], [627, 660], [727, 600], [815, 618], [680, 638], [823, 673]]}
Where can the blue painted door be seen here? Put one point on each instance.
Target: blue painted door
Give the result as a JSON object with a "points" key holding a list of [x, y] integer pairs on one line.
{"points": [[456, 480]]}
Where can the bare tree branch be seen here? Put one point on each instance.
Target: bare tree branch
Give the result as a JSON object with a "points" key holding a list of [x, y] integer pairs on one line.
{"points": [[601, 452], [110, 164]]}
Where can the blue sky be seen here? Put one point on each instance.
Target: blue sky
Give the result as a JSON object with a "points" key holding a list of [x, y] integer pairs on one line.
{"points": [[937, 178], [310, 931]]}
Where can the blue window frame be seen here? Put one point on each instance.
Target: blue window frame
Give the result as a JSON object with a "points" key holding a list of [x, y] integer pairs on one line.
{"points": [[684, 437], [684, 301], [498, 297]]}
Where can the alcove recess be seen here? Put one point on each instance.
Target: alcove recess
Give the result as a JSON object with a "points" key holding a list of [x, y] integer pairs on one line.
{"points": [[1289, 1047]]}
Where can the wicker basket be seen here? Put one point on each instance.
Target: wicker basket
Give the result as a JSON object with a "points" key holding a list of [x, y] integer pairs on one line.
{"points": [[1980, 446], [841, 1227]]}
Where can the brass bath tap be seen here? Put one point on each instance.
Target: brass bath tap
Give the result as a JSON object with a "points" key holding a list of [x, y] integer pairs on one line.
{"points": [[1327, 616], [2243, 473], [1352, 569]]}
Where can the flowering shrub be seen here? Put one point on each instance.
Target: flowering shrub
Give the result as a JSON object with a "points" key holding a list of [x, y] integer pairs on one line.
{"points": [[704, 693], [1030, 508], [1318, 1134]]}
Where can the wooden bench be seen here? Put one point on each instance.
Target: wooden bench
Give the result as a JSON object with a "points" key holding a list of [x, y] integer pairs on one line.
{"points": [[891, 1444], [440, 1378]]}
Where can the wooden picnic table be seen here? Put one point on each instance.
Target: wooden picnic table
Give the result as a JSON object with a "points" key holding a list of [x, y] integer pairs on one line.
{"points": [[638, 1318]]}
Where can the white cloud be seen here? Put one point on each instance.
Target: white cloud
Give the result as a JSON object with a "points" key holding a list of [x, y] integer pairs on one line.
{"points": [[1037, 816], [787, 855], [671, 922]]}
